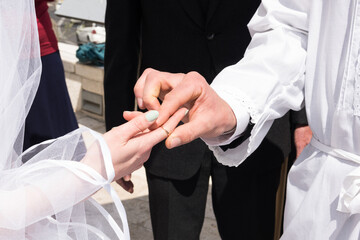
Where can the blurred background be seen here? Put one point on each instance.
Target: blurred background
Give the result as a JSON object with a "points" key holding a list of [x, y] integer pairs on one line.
{"points": [[77, 30]]}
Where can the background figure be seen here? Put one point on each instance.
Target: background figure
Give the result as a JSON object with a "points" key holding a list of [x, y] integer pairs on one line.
{"points": [[183, 36], [51, 114]]}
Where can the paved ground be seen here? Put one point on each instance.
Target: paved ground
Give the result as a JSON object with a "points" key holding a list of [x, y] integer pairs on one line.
{"points": [[136, 204]]}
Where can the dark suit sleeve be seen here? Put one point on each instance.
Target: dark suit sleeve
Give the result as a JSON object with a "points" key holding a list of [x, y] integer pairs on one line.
{"points": [[298, 118], [122, 23]]}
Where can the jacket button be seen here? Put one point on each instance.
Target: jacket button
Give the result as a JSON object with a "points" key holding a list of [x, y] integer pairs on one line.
{"points": [[210, 36]]}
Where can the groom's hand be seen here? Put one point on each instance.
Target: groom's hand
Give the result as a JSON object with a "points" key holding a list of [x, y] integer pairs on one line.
{"points": [[209, 116]]}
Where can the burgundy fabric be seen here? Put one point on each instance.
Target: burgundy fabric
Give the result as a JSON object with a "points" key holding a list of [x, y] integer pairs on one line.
{"points": [[48, 41]]}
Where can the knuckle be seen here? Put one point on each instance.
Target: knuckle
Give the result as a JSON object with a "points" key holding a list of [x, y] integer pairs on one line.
{"points": [[138, 123], [150, 102], [137, 89], [151, 76], [114, 128], [196, 79], [117, 130], [148, 70], [195, 75]]}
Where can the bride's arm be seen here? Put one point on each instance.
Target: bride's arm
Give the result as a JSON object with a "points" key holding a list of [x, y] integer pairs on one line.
{"points": [[42, 188]]}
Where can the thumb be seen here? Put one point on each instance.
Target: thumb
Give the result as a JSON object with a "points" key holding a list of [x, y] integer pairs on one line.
{"points": [[184, 134], [139, 124]]}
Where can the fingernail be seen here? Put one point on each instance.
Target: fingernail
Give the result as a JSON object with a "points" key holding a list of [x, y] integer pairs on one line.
{"points": [[187, 111], [175, 142], [139, 102], [151, 115]]}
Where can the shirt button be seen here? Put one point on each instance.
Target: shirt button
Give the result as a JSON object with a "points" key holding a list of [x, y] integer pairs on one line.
{"points": [[210, 36]]}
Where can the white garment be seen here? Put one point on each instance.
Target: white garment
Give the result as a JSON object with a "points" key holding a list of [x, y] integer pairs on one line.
{"points": [[310, 45], [48, 197]]}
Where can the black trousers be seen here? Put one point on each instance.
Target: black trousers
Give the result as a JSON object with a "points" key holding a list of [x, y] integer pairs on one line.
{"points": [[243, 199], [51, 114]]}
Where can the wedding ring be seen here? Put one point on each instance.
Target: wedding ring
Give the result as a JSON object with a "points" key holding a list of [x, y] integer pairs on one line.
{"points": [[166, 131]]}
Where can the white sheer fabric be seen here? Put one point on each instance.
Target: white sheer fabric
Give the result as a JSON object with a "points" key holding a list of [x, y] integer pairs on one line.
{"points": [[48, 197]]}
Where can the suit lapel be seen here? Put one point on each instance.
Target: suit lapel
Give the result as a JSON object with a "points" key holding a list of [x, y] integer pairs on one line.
{"points": [[193, 10], [213, 5]]}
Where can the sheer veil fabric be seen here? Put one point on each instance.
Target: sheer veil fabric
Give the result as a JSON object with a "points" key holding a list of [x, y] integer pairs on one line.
{"points": [[48, 197]]}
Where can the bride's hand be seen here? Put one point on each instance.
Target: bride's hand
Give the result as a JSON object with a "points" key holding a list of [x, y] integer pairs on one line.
{"points": [[130, 144]]}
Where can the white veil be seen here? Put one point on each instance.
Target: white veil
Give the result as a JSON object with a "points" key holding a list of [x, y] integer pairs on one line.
{"points": [[45, 198]]}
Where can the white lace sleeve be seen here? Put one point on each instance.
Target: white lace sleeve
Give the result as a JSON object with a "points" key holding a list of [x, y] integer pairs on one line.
{"points": [[269, 80]]}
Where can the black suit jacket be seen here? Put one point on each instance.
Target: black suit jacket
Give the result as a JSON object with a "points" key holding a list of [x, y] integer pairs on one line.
{"points": [[175, 36]]}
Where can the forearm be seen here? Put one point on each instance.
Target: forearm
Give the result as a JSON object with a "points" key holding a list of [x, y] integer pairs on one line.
{"points": [[45, 188], [59, 174], [269, 80]]}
